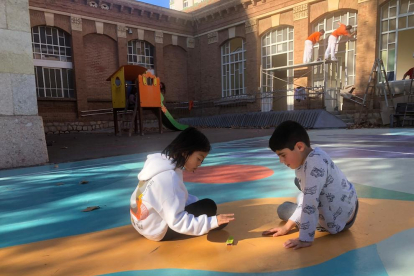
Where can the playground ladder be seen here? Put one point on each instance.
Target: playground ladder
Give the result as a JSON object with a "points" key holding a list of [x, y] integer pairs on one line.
{"points": [[123, 118]]}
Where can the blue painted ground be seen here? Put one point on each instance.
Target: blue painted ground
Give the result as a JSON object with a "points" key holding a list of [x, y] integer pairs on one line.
{"points": [[42, 203]]}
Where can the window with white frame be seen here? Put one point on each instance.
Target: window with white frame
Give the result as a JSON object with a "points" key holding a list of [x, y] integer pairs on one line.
{"points": [[54, 82], [52, 54], [141, 53], [277, 51], [233, 67], [185, 3], [396, 16], [346, 51]]}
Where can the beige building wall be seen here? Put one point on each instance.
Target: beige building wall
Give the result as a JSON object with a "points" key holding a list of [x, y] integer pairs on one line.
{"points": [[21, 129], [179, 4], [405, 52]]}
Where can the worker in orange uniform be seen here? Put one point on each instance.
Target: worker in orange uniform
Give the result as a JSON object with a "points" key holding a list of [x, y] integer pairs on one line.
{"points": [[309, 42], [409, 74], [333, 38]]}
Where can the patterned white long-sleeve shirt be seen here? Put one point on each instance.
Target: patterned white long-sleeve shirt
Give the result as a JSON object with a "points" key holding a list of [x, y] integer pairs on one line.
{"points": [[327, 197]]}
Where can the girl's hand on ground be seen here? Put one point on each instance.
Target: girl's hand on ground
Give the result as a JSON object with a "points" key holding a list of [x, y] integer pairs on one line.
{"points": [[224, 218], [296, 244], [275, 232]]}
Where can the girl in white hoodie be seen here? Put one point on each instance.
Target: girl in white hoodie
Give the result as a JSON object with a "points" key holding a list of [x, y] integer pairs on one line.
{"points": [[161, 208]]}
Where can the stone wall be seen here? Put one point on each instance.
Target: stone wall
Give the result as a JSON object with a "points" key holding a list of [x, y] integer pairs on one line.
{"points": [[21, 129], [71, 127]]}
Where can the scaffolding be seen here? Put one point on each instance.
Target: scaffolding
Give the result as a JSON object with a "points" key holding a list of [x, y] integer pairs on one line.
{"points": [[331, 94]]}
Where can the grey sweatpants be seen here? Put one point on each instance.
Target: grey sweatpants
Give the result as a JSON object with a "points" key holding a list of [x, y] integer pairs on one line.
{"points": [[286, 210]]}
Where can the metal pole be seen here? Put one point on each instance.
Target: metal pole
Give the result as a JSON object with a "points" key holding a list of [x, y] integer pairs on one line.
{"points": [[325, 85]]}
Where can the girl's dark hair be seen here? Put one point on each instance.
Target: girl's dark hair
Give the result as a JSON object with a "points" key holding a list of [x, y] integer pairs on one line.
{"points": [[287, 134], [185, 144]]}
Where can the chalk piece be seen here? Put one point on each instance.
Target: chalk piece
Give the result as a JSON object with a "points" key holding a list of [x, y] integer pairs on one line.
{"points": [[230, 241]]}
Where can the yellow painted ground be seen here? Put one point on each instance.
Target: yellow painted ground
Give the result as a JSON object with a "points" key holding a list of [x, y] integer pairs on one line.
{"points": [[123, 249]]}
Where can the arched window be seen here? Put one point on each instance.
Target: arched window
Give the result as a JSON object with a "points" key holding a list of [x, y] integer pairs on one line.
{"points": [[52, 54], [141, 53], [346, 51], [233, 67], [397, 32], [277, 51]]}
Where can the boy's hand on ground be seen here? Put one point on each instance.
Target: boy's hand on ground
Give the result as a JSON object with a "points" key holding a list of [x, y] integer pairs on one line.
{"points": [[296, 244], [275, 232], [224, 218]]}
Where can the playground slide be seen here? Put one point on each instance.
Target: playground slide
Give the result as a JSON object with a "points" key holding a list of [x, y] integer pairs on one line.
{"points": [[167, 120]]}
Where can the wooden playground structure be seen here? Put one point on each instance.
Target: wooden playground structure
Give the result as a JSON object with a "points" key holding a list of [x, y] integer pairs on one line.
{"points": [[134, 88]]}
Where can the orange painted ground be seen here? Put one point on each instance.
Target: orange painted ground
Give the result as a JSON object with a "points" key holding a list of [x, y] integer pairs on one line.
{"points": [[123, 249], [227, 174]]}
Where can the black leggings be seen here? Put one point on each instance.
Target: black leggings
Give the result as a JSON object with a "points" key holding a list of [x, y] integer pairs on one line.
{"points": [[202, 207]]}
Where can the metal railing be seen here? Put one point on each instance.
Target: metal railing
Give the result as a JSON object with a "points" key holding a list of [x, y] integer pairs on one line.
{"points": [[277, 100]]}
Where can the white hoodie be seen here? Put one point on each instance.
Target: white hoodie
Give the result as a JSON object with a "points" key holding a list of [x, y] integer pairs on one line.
{"points": [[159, 201]]}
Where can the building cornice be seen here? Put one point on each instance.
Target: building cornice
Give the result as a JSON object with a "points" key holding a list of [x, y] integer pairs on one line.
{"points": [[130, 7], [198, 17], [106, 21], [261, 16]]}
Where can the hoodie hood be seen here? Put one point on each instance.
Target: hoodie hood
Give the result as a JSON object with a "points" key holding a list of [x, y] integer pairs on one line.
{"points": [[155, 164]]}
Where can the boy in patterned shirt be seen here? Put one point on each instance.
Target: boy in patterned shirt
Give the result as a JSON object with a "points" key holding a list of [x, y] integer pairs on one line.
{"points": [[327, 202]]}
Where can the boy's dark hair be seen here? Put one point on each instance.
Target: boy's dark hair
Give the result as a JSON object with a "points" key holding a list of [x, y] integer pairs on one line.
{"points": [[185, 144], [287, 134], [322, 31], [348, 27]]}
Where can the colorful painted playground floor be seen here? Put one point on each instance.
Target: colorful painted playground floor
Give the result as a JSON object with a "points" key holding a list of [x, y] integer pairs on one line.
{"points": [[43, 230]]}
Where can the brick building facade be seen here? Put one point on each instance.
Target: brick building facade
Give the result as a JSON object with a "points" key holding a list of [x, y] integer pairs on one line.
{"points": [[213, 51]]}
